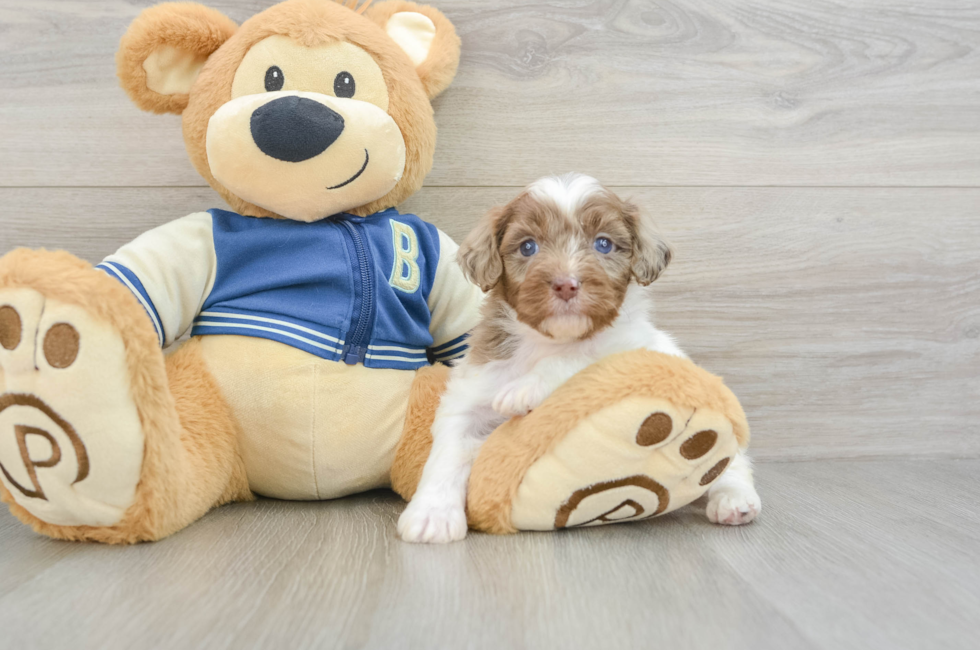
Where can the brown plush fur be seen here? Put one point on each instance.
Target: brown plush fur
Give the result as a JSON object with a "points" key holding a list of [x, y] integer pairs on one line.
{"points": [[190, 461], [511, 450], [438, 70], [209, 437], [416, 440], [310, 23], [186, 26]]}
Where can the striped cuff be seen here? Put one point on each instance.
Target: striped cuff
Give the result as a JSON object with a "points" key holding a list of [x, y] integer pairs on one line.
{"points": [[451, 350], [128, 278]]}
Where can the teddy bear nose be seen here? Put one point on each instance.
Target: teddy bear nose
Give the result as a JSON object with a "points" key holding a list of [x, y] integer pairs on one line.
{"points": [[295, 129]]}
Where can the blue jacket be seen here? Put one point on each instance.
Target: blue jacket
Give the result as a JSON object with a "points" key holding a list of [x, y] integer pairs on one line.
{"points": [[382, 290]]}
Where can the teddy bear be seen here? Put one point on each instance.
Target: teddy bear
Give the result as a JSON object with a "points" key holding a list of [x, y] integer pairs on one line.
{"points": [[321, 319]]}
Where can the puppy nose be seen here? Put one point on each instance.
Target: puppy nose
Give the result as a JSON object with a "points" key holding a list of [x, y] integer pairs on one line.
{"points": [[565, 288], [295, 129]]}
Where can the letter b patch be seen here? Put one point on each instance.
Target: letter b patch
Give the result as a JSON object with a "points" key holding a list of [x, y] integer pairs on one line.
{"points": [[405, 275]]}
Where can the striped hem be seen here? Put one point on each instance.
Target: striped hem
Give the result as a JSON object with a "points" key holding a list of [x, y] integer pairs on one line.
{"points": [[396, 353], [453, 353], [384, 354], [389, 355], [204, 327], [397, 363], [440, 349], [264, 323], [128, 278]]}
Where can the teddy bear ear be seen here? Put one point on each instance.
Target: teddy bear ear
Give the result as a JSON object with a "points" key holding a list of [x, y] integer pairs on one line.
{"points": [[425, 35], [162, 52]]}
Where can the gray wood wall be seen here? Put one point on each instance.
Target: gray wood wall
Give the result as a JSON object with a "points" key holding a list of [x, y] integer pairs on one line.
{"points": [[817, 165]]}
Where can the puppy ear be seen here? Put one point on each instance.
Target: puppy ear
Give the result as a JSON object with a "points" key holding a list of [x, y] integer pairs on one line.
{"points": [[163, 50], [651, 253], [479, 254], [426, 36]]}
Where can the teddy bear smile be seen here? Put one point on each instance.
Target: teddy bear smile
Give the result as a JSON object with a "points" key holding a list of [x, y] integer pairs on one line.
{"points": [[367, 158], [324, 154]]}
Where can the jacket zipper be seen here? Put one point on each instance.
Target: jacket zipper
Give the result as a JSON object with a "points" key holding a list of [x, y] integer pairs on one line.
{"points": [[355, 344]]}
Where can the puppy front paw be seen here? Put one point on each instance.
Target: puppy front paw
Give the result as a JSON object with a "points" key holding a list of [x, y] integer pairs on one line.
{"points": [[520, 396], [733, 505], [432, 521]]}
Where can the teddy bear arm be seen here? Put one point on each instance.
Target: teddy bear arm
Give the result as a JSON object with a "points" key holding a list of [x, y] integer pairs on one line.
{"points": [[454, 305], [170, 270]]}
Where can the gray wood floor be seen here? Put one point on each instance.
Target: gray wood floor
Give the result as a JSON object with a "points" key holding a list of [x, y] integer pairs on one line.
{"points": [[817, 165], [848, 554]]}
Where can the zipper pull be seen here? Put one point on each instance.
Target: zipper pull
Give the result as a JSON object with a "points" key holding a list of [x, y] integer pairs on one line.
{"points": [[354, 355]]}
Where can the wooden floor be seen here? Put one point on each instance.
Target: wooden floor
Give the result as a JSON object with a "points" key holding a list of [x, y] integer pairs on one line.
{"points": [[817, 165], [848, 554]]}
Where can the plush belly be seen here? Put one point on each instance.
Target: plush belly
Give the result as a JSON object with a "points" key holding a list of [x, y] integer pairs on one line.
{"points": [[309, 428]]}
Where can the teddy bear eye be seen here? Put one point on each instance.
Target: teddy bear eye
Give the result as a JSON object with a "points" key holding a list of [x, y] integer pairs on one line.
{"points": [[343, 85], [274, 79]]}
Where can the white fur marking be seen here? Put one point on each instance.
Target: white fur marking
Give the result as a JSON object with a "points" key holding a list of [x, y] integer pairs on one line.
{"points": [[568, 192], [732, 499]]}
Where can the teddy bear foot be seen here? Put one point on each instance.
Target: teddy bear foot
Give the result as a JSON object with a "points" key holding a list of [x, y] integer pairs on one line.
{"points": [[634, 436], [637, 459], [71, 440]]}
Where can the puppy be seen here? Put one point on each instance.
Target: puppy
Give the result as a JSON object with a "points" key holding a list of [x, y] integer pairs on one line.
{"points": [[566, 264]]}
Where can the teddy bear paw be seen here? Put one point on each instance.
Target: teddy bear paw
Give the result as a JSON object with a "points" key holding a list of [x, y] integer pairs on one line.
{"points": [[71, 440], [637, 458]]}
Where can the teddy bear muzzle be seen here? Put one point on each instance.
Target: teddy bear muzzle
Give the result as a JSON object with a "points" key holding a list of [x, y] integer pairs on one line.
{"points": [[302, 155], [294, 129]]}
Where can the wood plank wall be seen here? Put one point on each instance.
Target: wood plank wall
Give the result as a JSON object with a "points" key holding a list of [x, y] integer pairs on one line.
{"points": [[816, 163]]}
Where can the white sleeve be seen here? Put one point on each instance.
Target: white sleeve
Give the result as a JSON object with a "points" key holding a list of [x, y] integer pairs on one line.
{"points": [[454, 303], [170, 270]]}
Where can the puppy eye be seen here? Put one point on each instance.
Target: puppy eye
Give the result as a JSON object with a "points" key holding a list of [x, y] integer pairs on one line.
{"points": [[603, 245], [274, 79], [529, 247], [343, 85]]}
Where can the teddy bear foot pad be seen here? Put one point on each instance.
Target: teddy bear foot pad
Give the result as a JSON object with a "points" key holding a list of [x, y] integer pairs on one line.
{"points": [[640, 458], [71, 441]]}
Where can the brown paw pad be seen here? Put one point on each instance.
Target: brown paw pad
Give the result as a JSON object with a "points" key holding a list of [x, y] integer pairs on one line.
{"points": [[633, 497], [654, 430], [715, 471], [699, 444], [10, 327], [61, 345]]}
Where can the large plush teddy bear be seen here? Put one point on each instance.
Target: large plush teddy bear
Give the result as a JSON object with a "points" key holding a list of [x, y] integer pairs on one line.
{"points": [[318, 314]]}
